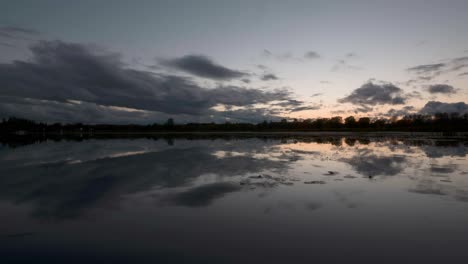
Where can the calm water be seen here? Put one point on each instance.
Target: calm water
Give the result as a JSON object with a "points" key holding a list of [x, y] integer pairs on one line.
{"points": [[252, 200]]}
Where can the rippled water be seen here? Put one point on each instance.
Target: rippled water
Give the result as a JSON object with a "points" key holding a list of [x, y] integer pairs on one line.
{"points": [[239, 200]]}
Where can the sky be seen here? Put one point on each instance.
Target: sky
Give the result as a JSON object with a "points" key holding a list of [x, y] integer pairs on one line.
{"points": [[144, 61]]}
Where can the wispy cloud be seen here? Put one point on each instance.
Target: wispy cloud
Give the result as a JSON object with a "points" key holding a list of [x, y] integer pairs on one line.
{"points": [[269, 77], [311, 55], [203, 66]]}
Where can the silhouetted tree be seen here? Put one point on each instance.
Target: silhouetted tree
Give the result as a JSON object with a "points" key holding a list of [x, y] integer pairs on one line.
{"points": [[170, 122], [350, 122], [364, 122]]}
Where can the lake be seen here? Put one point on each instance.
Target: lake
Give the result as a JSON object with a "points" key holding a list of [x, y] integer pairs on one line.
{"points": [[235, 199]]}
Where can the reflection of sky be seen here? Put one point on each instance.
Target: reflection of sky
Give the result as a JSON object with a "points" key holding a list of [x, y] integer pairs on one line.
{"points": [[241, 191]]}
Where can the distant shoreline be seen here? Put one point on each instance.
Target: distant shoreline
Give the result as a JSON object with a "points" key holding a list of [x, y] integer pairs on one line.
{"points": [[246, 133]]}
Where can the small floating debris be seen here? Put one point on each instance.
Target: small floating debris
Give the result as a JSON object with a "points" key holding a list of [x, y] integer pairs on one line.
{"points": [[331, 173], [244, 182], [314, 182], [256, 177]]}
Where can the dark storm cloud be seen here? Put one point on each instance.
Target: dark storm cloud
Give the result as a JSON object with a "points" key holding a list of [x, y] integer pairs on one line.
{"points": [[312, 55], [433, 107], [203, 66], [60, 72], [375, 94], [269, 77], [441, 88]]}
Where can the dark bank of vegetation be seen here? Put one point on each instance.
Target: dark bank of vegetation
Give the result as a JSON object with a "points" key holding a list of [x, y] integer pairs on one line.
{"points": [[441, 122]]}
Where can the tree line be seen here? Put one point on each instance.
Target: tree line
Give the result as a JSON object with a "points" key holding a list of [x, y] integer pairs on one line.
{"points": [[436, 122]]}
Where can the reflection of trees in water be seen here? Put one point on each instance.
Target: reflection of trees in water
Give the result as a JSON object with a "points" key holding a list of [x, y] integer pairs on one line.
{"points": [[61, 189]]}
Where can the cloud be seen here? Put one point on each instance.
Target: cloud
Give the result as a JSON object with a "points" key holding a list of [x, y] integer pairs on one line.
{"points": [[5, 44], [433, 107], [316, 94], [203, 195], [375, 94], [10, 35], [368, 164], [203, 66], [304, 108], [293, 105], [289, 103], [311, 55], [445, 169], [283, 57], [343, 65], [463, 74], [441, 88], [399, 112], [427, 72], [61, 72], [269, 77], [426, 68], [460, 59], [11, 32], [363, 109], [104, 173]]}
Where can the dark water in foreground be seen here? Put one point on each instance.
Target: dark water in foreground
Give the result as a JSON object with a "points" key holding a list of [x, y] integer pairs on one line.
{"points": [[253, 200]]}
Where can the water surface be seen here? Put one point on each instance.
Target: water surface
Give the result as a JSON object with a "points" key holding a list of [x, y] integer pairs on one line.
{"points": [[237, 200]]}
